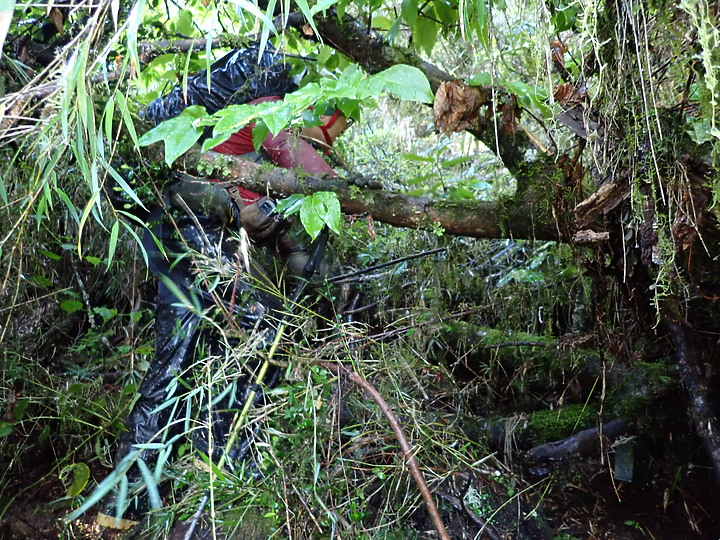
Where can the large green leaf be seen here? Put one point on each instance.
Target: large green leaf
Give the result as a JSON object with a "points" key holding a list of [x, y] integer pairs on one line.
{"points": [[80, 476], [425, 34], [178, 134], [320, 209], [407, 83], [233, 118], [6, 13], [410, 11]]}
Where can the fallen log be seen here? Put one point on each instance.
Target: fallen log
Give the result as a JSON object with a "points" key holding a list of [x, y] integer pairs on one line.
{"points": [[587, 443]]}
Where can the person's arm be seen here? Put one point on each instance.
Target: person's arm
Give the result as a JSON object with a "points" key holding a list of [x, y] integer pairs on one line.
{"points": [[288, 151]]}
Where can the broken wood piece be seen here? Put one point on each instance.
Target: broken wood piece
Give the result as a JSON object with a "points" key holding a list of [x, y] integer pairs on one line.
{"points": [[583, 444], [606, 198], [587, 236]]}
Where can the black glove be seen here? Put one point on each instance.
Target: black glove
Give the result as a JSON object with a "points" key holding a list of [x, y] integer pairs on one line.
{"points": [[365, 181]]}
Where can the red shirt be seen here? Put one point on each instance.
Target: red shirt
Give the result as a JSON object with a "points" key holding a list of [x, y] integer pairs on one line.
{"points": [[285, 150]]}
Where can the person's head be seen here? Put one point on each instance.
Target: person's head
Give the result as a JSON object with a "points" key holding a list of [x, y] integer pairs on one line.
{"points": [[333, 124]]}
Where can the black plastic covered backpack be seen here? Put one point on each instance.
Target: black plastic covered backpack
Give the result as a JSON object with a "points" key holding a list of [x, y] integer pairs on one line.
{"points": [[236, 78]]}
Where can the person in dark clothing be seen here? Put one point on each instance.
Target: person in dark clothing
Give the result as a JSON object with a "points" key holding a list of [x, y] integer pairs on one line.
{"points": [[201, 288]]}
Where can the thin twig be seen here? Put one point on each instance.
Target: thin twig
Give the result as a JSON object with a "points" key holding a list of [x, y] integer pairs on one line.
{"points": [[400, 435], [397, 331], [519, 344], [344, 277]]}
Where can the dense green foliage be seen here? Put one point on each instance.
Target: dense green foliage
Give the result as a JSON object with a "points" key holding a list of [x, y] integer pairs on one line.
{"points": [[532, 340]]}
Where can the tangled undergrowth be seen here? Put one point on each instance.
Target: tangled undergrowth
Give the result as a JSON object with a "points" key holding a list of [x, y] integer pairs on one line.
{"points": [[483, 350]]}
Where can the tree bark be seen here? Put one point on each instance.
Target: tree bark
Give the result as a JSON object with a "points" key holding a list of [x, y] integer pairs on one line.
{"points": [[522, 219], [696, 381]]}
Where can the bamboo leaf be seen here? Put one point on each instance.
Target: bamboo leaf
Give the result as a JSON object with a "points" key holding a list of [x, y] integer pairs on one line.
{"points": [[115, 11], [7, 7], [113, 243], [106, 486], [254, 10], [150, 485], [68, 203], [3, 191], [127, 119], [134, 19], [265, 34], [482, 22], [136, 237], [83, 219], [322, 5], [308, 14], [123, 184]]}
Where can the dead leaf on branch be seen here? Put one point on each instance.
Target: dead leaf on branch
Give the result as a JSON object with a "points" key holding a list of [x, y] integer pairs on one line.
{"points": [[456, 106], [558, 53], [57, 17], [569, 93]]}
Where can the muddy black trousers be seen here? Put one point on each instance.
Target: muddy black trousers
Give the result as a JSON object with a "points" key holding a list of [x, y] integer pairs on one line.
{"points": [[172, 406]]}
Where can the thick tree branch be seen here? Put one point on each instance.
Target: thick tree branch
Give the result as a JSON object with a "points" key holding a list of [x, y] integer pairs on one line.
{"points": [[696, 381], [526, 218]]}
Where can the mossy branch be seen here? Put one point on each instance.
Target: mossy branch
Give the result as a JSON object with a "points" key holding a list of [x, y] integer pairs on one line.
{"points": [[522, 218]]}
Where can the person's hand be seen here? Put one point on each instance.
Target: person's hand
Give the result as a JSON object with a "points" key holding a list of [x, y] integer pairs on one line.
{"points": [[260, 220], [297, 260], [365, 181]]}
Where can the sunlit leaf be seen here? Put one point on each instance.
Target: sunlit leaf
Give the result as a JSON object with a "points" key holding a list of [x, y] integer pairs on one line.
{"points": [[233, 118], [406, 82], [178, 134], [7, 8], [80, 476], [184, 23]]}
